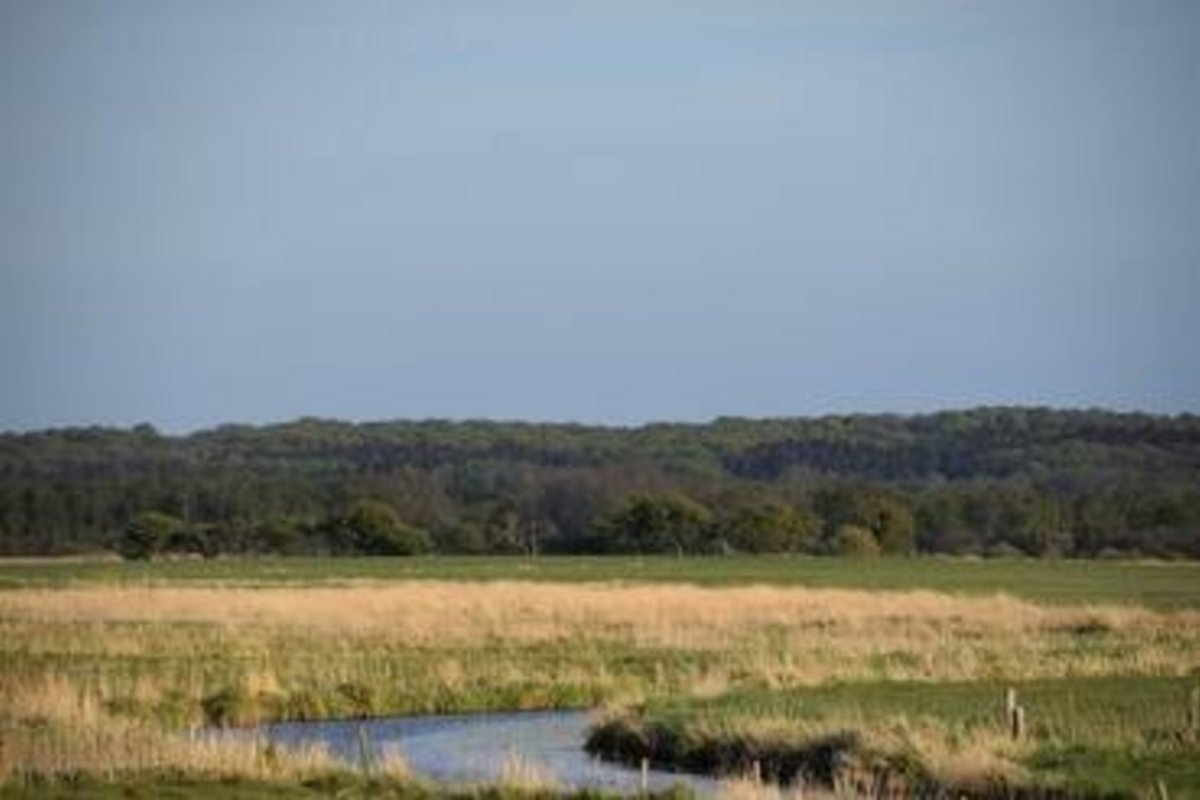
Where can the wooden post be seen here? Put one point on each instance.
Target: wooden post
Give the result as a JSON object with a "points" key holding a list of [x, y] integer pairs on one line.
{"points": [[1192, 731], [1018, 722], [645, 775], [757, 772], [1014, 714]]}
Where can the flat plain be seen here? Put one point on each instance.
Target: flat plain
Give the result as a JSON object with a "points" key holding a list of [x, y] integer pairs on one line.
{"points": [[728, 665]]}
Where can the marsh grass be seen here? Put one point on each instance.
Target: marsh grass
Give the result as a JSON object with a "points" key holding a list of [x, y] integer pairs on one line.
{"points": [[96, 677], [185, 655], [53, 744]]}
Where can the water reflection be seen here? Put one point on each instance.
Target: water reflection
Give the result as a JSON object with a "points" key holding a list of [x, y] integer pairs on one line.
{"points": [[475, 748]]}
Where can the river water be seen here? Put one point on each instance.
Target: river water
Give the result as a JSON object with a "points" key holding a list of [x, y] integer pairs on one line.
{"points": [[474, 748]]}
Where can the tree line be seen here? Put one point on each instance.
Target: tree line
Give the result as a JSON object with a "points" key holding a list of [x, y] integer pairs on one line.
{"points": [[984, 481]]}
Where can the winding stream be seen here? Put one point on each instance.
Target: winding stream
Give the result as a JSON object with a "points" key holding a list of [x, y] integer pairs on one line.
{"points": [[474, 748]]}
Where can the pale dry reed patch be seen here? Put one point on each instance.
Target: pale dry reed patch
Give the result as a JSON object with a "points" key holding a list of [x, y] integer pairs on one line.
{"points": [[48, 698], [519, 772], [50, 726], [954, 757], [974, 758], [675, 615], [392, 763], [120, 746]]}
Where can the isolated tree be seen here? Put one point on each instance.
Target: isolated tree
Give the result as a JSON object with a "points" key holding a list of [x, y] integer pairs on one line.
{"points": [[666, 524], [374, 528], [147, 534]]}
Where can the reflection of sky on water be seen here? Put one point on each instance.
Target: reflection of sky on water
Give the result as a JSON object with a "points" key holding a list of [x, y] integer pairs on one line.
{"points": [[476, 747]]}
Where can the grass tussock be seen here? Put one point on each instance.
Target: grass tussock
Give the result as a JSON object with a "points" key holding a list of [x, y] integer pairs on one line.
{"points": [[855, 756]]}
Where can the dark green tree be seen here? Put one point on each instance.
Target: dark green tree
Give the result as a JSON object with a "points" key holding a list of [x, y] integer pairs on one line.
{"points": [[147, 534], [885, 514], [660, 524], [770, 528], [465, 537], [372, 527]]}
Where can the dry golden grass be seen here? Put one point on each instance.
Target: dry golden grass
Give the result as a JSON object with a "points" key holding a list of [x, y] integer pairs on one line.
{"points": [[50, 726], [392, 763], [677, 615], [518, 772], [953, 755], [780, 636], [747, 787], [51, 698]]}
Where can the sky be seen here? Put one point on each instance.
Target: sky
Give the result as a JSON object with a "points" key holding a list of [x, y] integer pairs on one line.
{"points": [[605, 211]]}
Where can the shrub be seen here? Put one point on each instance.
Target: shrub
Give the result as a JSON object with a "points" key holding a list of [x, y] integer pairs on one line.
{"points": [[231, 707], [855, 541], [359, 698], [303, 705]]}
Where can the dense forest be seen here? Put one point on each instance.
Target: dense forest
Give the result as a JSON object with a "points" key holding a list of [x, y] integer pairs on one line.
{"points": [[985, 481]]}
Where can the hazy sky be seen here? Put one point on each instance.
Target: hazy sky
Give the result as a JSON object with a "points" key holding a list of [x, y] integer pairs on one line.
{"points": [[603, 211]]}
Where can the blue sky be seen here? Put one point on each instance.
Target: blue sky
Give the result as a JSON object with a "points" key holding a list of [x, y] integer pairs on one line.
{"points": [[602, 211]]}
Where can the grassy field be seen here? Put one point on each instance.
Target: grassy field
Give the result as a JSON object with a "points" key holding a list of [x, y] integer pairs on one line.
{"points": [[1151, 584], [105, 667]]}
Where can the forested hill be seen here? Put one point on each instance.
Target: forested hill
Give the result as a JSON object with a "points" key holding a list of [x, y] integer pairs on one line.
{"points": [[992, 479]]}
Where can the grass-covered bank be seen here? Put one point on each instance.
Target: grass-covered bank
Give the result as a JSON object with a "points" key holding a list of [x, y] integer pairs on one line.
{"points": [[1096, 735], [1153, 584]]}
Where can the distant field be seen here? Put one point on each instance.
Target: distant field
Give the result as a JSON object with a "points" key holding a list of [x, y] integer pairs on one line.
{"points": [[1161, 585]]}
